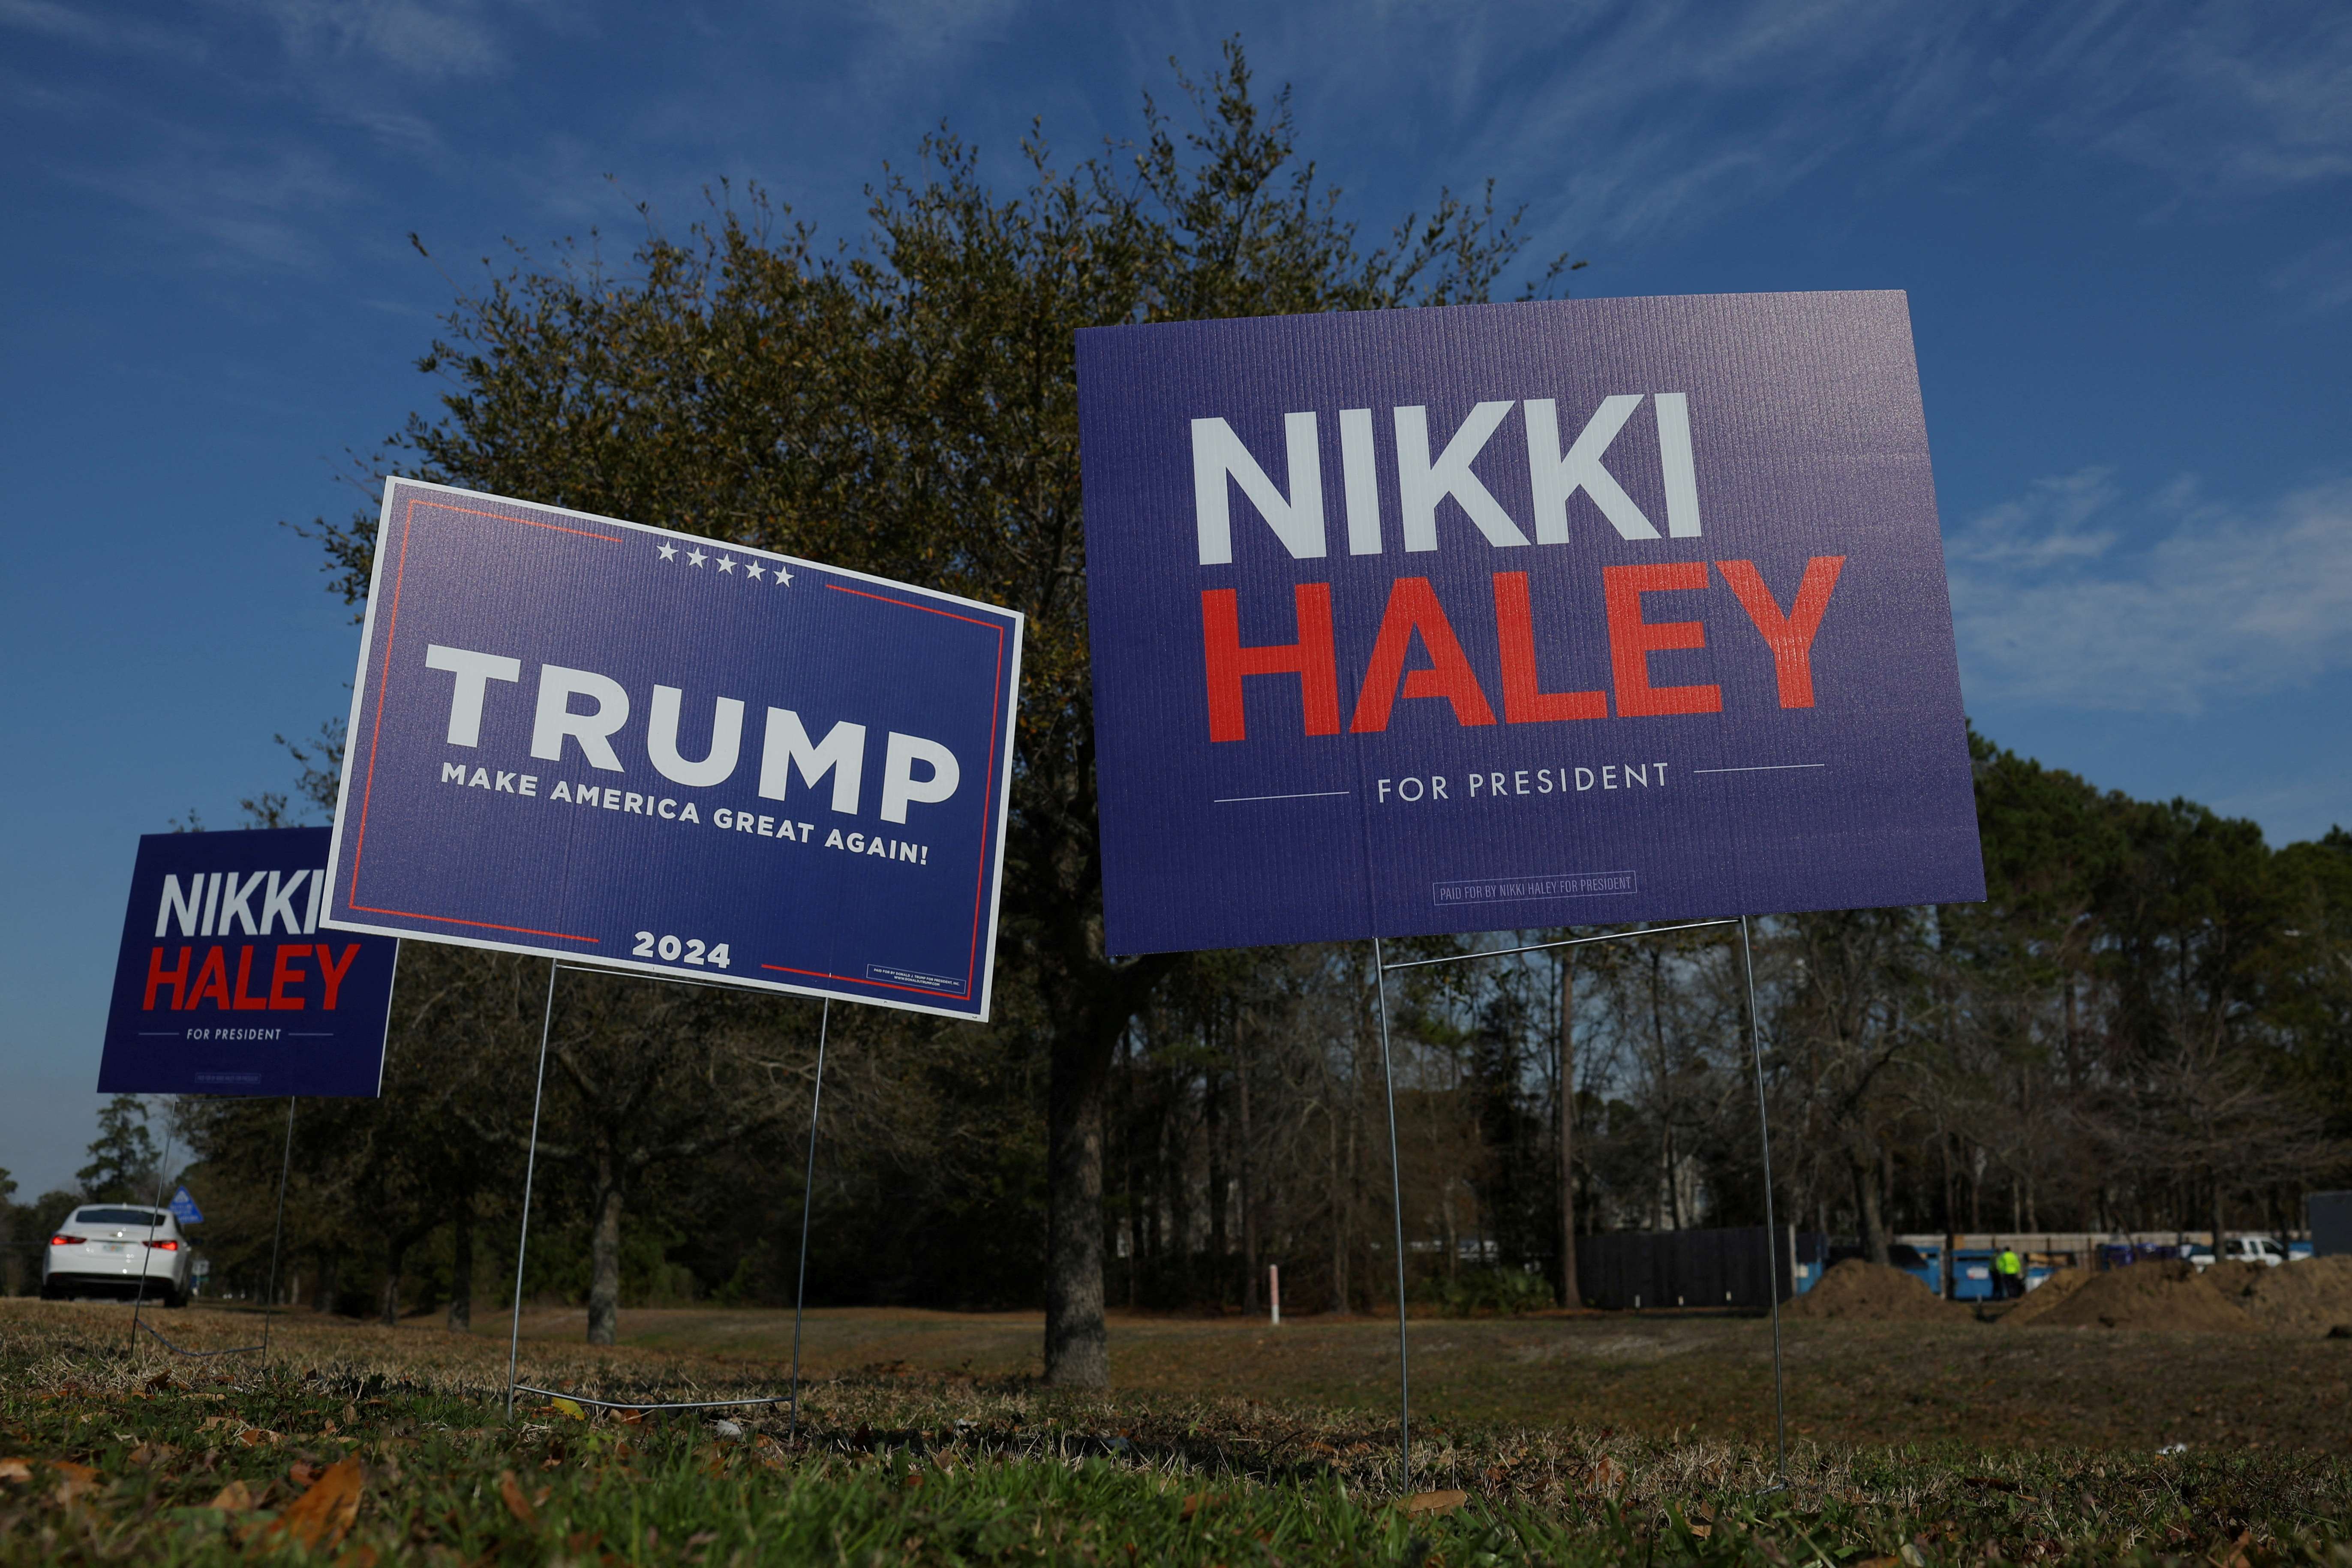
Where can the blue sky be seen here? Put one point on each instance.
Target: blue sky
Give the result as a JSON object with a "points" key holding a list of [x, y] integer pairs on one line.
{"points": [[2125, 229]]}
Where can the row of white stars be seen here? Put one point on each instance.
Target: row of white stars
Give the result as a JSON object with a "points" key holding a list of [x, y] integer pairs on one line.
{"points": [[752, 569]]}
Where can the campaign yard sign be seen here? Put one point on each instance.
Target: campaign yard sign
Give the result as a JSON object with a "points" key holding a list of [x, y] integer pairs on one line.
{"points": [[1500, 617], [599, 741], [227, 982]]}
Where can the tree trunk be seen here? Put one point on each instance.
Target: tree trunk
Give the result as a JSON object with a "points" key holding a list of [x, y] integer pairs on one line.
{"points": [[461, 1267], [1078, 1350], [1865, 1197], [1247, 1171], [1565, 1139], [395, 1249], [1673, 1182], [1950, 1217], [329, 1286], [1887, 1192], [1211, 1119], [1343, 1219], [604, 1263]]}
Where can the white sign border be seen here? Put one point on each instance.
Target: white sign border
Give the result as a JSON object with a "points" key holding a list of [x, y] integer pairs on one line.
{"points": [[1009, 720]]}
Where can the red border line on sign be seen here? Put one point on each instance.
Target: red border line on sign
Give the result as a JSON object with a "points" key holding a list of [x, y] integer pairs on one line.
{"points": [[384, 682], [980, 876], [486, 925], [911, 604], [527, 523], [964, 995], [384, 679]]}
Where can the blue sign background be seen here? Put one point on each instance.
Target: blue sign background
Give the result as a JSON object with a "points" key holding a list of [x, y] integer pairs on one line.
{"points": [[220, 990], [470, 837], [1400, 787]]}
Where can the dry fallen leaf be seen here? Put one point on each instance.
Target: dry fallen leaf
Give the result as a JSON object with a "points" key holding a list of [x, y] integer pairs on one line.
{"points": [[234, 1498], [322, 1516], [72, 1479], [305, 1472], [152, 1452], [1195, 1501], [254, 1436], [357, 1557], [16, 1470], [1434, 1502], [517, 1504], [566, 1408]]}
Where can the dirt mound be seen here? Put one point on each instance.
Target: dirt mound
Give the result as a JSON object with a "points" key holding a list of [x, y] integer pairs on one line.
{"points": [[2168, 1294], [2307, 1298], [1854, 1289], [2045, 1297]]}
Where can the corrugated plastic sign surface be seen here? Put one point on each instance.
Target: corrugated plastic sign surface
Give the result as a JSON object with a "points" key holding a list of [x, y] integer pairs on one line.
{"points": [[643, 749], [1503, 616], [226, 982]]}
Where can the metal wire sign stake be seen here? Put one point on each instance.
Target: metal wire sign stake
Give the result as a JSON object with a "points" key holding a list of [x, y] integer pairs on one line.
{"points": [[522, 1240], [474, 598], [1383, 969]]}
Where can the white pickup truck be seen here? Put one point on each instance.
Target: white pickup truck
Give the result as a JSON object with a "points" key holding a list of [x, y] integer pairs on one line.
{"points": [[2257, 1249]]}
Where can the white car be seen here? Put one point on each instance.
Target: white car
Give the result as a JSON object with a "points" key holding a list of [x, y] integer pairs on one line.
{"points": [[102, 1249], [2256, 1249]]}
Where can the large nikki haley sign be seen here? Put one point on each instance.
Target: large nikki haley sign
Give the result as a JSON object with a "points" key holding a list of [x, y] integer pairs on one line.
{"points": [[1501, 616], [635, 748], [228, 984]]}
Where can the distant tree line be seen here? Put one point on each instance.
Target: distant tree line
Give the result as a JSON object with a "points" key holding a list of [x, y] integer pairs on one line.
{"points": [[2149, 1023], [2148, 1026]]}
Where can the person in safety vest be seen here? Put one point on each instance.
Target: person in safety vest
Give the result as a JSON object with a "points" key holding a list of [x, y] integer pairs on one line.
{"points": [[2008, 1273]]}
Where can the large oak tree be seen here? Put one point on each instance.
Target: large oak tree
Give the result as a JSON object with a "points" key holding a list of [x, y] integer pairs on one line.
{"points": [[908, 408]]}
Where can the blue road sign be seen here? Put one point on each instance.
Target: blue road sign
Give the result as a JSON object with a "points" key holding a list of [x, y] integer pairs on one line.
{"points": [[644, 750], [228, 983], [184, 1209], [1502, 616]]}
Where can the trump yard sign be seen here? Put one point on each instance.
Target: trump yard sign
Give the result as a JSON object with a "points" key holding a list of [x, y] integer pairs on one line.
{"points": [[1501, 616], [599, 741], [226, 984]]}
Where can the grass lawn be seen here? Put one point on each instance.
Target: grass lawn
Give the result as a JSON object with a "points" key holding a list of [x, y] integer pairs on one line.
{"points": [[1848, 1382], [1583, 1439]]}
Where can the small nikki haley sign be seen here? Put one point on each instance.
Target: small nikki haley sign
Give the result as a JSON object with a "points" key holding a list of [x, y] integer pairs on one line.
{"points": [[228, 984], [1502, 616]]}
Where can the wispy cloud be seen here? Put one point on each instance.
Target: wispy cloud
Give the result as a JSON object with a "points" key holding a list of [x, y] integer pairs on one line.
{"points": [[2055, 605], [2227, 101], [2321, 278], [1628, 121], [107, 33], [248, 207], [428, 41]]}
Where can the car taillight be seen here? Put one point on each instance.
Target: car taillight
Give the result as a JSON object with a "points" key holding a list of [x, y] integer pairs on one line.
{"points": [[62, 1239], [165, 1245]]}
